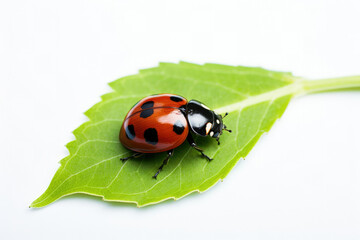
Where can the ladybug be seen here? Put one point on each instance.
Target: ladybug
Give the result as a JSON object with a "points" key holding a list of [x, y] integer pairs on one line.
{"points": [[162, 122]]}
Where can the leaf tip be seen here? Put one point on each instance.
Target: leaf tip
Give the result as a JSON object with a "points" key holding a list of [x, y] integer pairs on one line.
{"points": [[34, 204]]}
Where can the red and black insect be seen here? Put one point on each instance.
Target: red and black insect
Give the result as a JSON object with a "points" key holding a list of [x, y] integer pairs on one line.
{"points": [[162, 122]]}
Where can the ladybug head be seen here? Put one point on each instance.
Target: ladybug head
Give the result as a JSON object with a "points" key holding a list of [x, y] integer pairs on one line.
{"points": [[218, 127], [203, 121]]}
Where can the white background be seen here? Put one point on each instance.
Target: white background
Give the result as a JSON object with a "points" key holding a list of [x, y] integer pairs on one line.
{"points": [[302, 179]]}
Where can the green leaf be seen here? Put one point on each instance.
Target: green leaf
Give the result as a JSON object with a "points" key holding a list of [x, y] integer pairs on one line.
{"points": [[254, 98]]}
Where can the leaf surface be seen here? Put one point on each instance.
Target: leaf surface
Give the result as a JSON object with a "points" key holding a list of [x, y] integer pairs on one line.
{"points": [[254, 98]]}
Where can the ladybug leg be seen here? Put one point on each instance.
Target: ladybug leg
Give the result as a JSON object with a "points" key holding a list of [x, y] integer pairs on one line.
{"points": [[135, 155], [193, 144], [170, 153]]}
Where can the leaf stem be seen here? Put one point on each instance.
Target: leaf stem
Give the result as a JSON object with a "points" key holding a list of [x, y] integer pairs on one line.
{"points": [[331, 84]]}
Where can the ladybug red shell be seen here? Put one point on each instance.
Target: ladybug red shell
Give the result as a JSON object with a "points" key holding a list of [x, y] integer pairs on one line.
{"points": [[155, 124], [163, 122]]}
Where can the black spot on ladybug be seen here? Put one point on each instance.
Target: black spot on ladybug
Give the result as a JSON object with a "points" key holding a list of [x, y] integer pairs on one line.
{"points": [[176, 99], [148, 104], [178, 127], [130, 132], [151, 136], [146, 113]]}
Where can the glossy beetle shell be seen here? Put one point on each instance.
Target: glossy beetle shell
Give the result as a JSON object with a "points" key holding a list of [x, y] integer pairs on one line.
{"points": [[155, 124]]}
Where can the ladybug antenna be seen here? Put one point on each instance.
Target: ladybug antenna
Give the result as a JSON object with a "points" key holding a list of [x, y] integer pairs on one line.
{"points": [[217, 139], [225, 115], [226, 128]]}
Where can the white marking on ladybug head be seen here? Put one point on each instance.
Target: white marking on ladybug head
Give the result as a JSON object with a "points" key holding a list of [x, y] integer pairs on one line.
{"points": [[217, 121], [208, 127], [206, 107], [211, 133]]}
